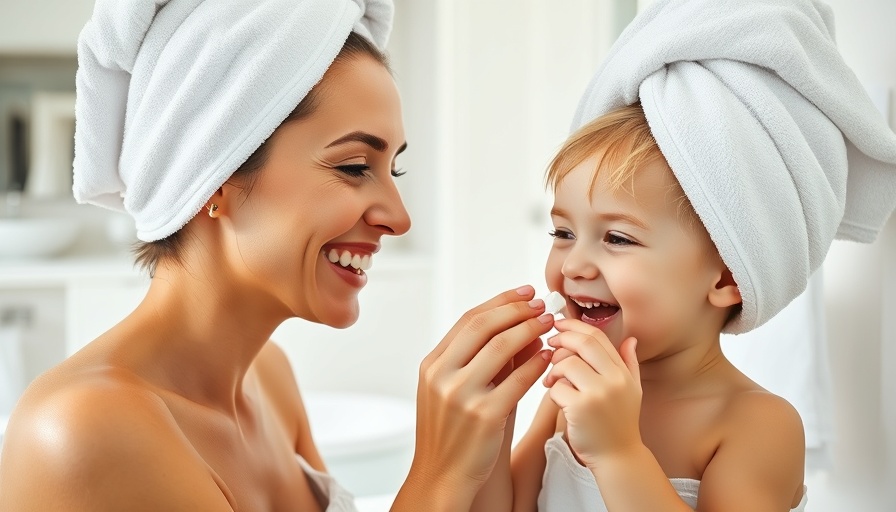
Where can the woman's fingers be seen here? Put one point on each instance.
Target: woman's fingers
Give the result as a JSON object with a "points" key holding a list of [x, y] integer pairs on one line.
{"points": [[487, 362], [524, 293], [481, 323], [534, 347], [520, 380]]}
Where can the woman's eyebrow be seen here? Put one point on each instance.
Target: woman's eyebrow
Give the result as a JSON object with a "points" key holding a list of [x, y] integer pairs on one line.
{"points": [[377, 143]]}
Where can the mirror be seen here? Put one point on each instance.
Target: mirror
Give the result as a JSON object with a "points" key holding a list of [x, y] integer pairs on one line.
{"points": [[37, 111]]}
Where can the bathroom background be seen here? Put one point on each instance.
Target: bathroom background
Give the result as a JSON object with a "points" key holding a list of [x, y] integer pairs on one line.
{"points": [[489, 88]]}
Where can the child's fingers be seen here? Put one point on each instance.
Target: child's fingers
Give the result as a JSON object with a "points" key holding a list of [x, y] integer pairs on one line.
{"points": [[563, 393], [579, 373], [560, 354], [630, 357], [589, 349]]}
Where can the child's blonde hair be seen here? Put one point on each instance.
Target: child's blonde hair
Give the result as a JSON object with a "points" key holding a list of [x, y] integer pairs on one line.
{"points": [[625, 143]]}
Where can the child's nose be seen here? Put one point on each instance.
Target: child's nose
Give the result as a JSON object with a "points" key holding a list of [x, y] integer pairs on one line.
{"points": [[579, 264]]}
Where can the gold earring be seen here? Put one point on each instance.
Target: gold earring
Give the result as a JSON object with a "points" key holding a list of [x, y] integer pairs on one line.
{"points": [[212, 210]]}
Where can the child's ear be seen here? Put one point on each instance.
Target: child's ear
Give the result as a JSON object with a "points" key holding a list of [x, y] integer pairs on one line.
{"points": [[725, 292]]}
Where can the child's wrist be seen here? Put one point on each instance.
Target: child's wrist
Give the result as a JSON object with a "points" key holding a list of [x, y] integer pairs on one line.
{"points": [[617, 458]]}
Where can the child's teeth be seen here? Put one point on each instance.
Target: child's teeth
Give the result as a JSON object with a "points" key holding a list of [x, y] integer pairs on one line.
{"points": [[356, 261], [345, 259], [365, 263], [333, 256]]}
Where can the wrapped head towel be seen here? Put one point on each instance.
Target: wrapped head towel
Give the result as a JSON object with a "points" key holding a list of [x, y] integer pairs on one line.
{"points": [[772, 137], [174, 95]]}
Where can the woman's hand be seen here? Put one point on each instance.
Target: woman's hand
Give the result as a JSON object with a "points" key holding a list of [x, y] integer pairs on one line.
{"points": [[469, 385], [597, 388]]}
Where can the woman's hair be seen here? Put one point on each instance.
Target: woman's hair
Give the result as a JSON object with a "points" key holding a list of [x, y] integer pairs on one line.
{"points": [[625, 144], [149, 254]]}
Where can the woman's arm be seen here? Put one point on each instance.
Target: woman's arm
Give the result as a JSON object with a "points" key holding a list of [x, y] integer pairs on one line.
{"points": [[527, 463], [461, 414]]}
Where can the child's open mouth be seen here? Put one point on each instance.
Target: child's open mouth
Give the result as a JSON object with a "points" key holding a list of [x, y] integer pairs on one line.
{"points": [[594, 312]]}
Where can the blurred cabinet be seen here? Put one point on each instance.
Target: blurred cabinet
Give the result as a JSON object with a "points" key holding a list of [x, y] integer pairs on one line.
{"points": [[42, 27]]}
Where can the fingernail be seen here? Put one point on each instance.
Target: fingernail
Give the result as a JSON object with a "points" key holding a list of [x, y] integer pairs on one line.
{"points": [[536, 303], [546, 355], [546, 318], [525, 290]]}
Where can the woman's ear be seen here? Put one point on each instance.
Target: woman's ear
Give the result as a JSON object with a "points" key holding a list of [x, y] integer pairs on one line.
{"points": [[725, 292]]}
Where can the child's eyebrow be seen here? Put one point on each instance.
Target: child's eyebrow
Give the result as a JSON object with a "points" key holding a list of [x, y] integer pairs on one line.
{"points": [[619, 216], [607, 217], [557, 212]]}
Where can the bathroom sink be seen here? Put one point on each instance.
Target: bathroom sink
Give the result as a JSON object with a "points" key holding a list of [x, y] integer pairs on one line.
{"points": [[36, 237]]}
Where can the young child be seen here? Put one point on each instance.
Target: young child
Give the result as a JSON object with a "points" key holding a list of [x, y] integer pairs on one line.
{"points": [[640, 271], [704, 184]]}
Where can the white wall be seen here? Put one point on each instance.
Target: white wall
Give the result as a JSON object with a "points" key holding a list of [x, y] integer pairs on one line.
{"points": [[860, 289]]}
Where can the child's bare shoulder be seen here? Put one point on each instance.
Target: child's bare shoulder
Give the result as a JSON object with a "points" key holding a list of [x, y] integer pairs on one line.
{"points": [[756, 410]]}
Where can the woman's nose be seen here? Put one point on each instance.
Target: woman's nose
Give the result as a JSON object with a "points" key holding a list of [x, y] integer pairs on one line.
{"points": [[579, 264], [389, 213]]}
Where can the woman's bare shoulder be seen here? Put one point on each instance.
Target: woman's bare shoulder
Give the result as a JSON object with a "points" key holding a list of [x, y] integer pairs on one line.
{"points": [[92, 434]]}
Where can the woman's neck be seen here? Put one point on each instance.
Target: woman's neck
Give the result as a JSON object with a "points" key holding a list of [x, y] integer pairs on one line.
{"points": [[196, 334]]}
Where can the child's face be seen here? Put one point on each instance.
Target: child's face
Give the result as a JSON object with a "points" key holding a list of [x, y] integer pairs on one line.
{"points": [[634, 262]]}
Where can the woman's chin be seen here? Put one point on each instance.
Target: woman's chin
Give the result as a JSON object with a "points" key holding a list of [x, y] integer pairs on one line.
{"points": [[341, 318]]}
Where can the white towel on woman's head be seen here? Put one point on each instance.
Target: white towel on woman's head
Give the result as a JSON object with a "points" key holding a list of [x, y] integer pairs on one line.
{"points": [[174, 95], [772, 137]]}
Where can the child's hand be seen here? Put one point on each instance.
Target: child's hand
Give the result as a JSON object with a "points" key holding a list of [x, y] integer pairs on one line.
{"points": [[598, 389]]}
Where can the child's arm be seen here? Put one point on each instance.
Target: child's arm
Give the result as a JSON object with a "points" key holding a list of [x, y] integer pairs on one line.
{"points": [[758, 465]]}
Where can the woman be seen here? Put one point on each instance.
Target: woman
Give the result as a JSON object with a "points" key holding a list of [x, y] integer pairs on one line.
{"points": [[282, 129]]}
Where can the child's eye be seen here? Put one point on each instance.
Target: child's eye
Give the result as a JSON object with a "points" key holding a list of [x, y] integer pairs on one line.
{"points": [[354, 170], [617, 239], [561, 234]]}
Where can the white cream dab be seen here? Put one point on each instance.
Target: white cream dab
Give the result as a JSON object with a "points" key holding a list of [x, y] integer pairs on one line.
{"points": [[554, 303]]}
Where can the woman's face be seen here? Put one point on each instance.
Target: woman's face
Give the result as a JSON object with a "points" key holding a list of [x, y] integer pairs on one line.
{"points": [[327, 192]]}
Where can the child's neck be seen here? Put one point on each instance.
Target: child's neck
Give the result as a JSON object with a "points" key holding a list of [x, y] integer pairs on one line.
{"points": [[684, 372]]}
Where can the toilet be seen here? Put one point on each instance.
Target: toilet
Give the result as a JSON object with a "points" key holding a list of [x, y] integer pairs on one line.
{"points": [[366, 440]]}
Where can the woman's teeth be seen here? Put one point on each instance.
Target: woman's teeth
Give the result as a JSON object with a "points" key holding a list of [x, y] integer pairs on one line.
{"points": [[347, 259]]}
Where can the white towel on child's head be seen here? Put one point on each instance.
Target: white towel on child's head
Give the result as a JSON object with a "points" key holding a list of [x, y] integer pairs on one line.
{"points": [[174, 95], [773, 139]]}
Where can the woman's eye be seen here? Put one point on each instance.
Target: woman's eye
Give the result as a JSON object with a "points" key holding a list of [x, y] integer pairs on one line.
{"points": [[354, 170], [396, 173], [616, 239], [561, 234]]}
